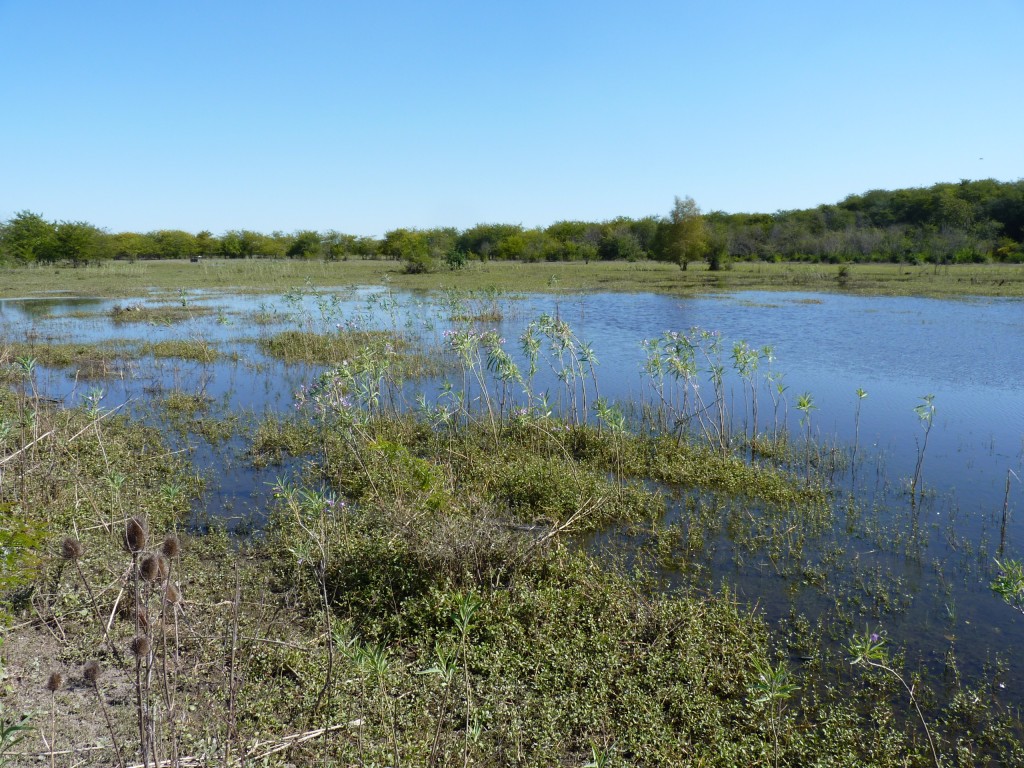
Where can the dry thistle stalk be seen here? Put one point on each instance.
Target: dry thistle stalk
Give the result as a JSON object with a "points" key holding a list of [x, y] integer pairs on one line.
{"points": [[54, 682], [172, 595], [149, 568], [71, 549], [171, 546], [135, 535], [140, 646], [91, 672]]}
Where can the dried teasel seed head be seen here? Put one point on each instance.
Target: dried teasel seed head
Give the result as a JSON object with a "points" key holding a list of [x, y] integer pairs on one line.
{"points": [[54, 682], [140, 646], [149, 568], [172, 594], [71, 549], [135, 535], [162, 566], [171, 546], [91, 671]]}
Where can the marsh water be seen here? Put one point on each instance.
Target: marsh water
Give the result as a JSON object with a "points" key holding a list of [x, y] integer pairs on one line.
{"points": [[917, 571]]}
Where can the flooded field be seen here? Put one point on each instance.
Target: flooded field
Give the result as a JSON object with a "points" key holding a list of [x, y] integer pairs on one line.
{"points": [[898, 423]]}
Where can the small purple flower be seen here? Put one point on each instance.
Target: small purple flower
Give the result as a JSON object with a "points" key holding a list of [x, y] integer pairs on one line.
{"points": [[875, 637]]}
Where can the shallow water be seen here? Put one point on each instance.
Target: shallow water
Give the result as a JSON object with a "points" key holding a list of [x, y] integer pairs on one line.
{"points": [[966, 353]]}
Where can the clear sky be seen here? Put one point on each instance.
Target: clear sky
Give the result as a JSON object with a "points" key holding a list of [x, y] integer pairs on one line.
{"points": [[366, 116]]}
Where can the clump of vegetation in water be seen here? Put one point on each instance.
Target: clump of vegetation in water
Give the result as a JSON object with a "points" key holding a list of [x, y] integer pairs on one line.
{"points": [[161, 314], [182, 349]]}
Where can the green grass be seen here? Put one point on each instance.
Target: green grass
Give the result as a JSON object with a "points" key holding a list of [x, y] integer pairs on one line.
{"points": [[103, 359], [120, 279], [183, 349], [339, 347], [163, 314], [92, 360]]}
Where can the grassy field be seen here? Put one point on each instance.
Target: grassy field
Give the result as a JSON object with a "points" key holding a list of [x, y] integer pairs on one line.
{"points": [[121, 279]]}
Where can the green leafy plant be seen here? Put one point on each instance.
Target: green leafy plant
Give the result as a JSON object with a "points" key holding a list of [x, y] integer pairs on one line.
{"points": [[772, 691], [805, 404], [1009, 584], [926, 415], [868, 650], [13, 731]]}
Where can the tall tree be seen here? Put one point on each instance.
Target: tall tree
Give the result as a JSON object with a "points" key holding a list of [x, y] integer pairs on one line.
{"points": [[78, 242], [26, 237], [305, 245], [683, 236]]}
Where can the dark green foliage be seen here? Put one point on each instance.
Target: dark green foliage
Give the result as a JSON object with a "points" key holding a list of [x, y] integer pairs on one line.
{"points": [[26, 238], [305, 245], [965, 222]]}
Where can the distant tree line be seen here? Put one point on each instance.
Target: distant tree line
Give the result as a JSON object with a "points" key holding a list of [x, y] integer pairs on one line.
{"points": [[970, 221]]}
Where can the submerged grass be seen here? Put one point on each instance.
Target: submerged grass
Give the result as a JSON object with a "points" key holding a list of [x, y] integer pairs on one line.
{"points": [[103, 359]]}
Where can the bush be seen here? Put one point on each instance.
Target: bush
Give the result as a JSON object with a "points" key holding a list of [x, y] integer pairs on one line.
{"points": [[419, 264]]}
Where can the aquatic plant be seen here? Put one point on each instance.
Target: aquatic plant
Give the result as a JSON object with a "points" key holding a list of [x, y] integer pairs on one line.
{"points": [[861, 394], [868, 650], [1009, 584], [926, 416], [773, 689], [805, 404]]}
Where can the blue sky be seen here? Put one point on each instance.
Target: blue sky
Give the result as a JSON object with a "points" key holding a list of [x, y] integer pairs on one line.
{"points": [[363, 117]]}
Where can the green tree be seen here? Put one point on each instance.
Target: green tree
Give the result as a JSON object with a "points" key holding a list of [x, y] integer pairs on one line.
{"points": [[717, 247], [132, 245], [620, 243], [241, 244], [206, 243], [26, 238], [78, 242], [337, 245], [174, 243], [304, 245], [485, 240], [683, 236]]}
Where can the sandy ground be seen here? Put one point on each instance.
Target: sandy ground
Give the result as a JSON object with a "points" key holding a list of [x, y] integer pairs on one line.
{"points": [[80, 735]]}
